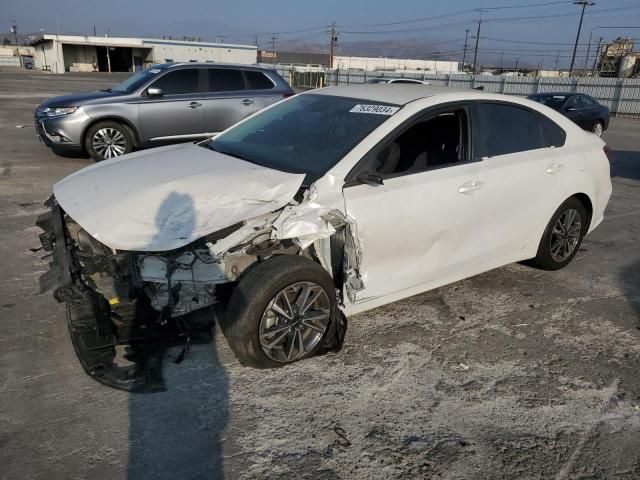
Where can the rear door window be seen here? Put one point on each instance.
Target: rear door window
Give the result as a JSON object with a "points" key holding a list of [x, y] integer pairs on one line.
{"points": [[179, 82], [258, 81], [574, 102], [588, 102], [225, 80], [502, 129]]}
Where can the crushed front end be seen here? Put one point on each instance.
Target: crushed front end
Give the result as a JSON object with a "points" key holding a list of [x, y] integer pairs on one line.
{"points": [[125, 304]]}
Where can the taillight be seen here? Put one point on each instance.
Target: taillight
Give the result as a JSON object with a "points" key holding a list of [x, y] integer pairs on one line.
{"points": [[287, 95], [607, 152]]}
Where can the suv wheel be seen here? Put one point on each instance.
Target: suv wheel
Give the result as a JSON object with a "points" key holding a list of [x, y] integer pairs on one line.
{"points": [[106, 140]]}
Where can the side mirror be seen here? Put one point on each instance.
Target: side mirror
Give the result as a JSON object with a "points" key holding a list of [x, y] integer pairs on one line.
{"points": [[155, 92], [372, 179]]}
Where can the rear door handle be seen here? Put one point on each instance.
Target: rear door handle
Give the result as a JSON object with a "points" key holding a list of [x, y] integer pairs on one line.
{"points": [[470, 187], [247, 101], [194, 105], [553, 168]]}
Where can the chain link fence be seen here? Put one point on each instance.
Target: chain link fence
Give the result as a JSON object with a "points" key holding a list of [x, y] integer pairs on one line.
{"points": [[621, 95]]}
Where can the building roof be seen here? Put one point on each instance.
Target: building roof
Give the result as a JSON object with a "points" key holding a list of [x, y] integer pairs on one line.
{"points": [[133, 42], [396, 93]]}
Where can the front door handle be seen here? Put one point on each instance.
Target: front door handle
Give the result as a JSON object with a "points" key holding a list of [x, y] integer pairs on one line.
{"points": [[553, 168], [247, 101], [194, 105], [470, 187]]}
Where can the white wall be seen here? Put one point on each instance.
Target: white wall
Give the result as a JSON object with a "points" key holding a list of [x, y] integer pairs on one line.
{"points": [[393, 64], [164, 50]]}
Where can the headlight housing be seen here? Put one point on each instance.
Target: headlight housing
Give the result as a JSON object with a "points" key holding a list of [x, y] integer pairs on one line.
{"points": [[58, 111]]}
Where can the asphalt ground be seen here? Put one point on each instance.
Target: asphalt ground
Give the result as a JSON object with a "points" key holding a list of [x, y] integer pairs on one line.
{"points": [[516, 373]]}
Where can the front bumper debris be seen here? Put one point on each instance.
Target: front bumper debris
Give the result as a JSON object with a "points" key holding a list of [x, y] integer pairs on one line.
{"points": [[94, 332]]}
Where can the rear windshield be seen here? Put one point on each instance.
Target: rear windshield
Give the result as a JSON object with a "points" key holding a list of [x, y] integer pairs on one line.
{"points": [[552, 101], [306, 134]]}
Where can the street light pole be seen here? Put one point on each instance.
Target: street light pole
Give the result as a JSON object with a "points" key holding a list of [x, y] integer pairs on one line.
{"points": [[583, 4], [464, 53], [14, 30]]}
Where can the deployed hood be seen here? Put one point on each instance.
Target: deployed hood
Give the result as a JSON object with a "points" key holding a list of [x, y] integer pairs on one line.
{"points": [[165, 198]]}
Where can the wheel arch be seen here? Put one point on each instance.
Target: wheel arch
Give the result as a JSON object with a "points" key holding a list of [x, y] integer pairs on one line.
{"points": [[112, 118], [586, 203]]}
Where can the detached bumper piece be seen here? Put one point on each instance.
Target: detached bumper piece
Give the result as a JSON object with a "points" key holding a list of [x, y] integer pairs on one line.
{"points": [[95, 332]]}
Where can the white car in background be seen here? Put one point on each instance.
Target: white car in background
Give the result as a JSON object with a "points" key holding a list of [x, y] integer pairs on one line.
{"points": [[414, 81], [327, 204]]}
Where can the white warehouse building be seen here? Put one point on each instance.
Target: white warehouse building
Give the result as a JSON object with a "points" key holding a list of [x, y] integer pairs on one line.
{"points": [[79, 53]]}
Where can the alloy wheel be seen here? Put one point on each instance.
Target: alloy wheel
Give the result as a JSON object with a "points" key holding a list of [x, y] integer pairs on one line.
{"points": [[597, 129], [294, 321], [109, 142], [565, 235]]}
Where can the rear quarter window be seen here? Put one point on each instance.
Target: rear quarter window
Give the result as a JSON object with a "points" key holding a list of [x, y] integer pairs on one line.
{"points": [[553, 135], [258, 81]]}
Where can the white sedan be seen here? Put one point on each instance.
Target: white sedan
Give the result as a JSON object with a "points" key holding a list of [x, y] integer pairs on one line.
{"points": [[327, 204]]}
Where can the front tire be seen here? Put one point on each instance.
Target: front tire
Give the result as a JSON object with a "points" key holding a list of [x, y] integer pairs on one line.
{"points": [[280, 312], [106, 140], [563, 236]]}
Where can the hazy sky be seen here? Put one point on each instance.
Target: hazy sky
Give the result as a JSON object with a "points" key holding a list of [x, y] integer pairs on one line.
{"points": [[505, 29]]}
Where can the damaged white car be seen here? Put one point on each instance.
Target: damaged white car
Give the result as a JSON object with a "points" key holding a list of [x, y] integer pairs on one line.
{"points": [[324, 205]]}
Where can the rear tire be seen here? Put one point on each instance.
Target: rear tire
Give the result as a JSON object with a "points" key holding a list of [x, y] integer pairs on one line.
{"points": [[257, 315], [563, 236], [108, 139]]}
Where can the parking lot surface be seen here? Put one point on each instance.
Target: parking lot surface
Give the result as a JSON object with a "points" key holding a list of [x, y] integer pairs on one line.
{"points": [[516, 373]]}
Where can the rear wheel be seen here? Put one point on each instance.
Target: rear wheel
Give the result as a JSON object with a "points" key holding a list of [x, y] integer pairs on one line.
{"points": [[598, 128], [563, 236], [280, 312], [109, 139]]}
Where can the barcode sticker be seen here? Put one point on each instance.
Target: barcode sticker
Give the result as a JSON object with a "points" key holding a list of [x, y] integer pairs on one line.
{"points": [[375, 109]]}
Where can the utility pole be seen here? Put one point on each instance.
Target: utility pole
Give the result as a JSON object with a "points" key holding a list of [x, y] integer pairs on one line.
{"points": [[595, 60], [584, 4], [586, 59], [557, 59], [501, 59], [464, 53], [517, 60], [94, 30], [332, 42], [274, 37], [475, 52]]}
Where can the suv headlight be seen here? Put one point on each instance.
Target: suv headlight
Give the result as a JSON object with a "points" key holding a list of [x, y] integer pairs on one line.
{"points": [[58, 111]]}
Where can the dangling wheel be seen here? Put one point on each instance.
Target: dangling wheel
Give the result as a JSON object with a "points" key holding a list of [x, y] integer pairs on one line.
{"points": [[280, 312]]}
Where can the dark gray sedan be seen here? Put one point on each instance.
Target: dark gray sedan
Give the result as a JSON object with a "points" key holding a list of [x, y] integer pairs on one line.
{"points": [[578, 107], [166, 103]]}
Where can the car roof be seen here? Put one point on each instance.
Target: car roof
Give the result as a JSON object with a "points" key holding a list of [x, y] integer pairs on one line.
{"points": [[211, 65], [559, 94], [396, 93]]}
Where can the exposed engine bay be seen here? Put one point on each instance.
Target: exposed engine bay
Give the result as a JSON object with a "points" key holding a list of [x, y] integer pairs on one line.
{"points": [[132, 298]]}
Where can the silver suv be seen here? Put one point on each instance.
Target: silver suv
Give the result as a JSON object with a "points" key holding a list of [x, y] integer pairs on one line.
{"points": [[166, 103]]}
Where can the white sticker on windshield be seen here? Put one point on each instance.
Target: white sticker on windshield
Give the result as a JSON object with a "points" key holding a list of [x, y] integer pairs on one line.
{"points": [[154, 70], [376, 109]]}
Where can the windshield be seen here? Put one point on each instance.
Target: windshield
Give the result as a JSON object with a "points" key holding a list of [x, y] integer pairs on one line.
{"points": [[306, 134], [136, 80], [552, 101]]}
